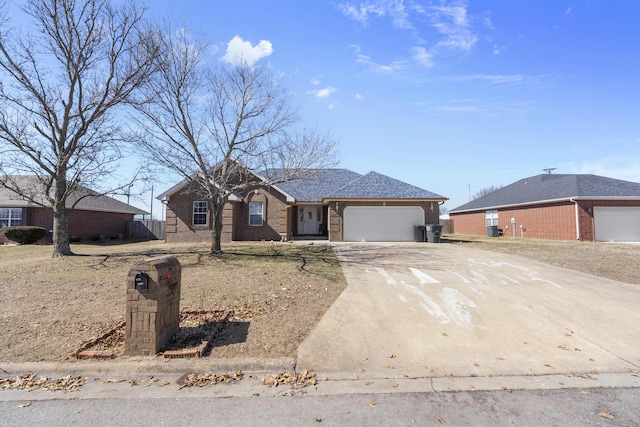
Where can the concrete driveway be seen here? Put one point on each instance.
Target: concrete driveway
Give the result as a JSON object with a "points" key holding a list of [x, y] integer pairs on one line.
{"points": [[435, 310]]}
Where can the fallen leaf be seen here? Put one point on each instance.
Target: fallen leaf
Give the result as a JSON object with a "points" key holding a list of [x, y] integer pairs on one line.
{"points": [[509, 420], [588, 393], [393, 356], [442, 420], [371, 405], [24, 405], [302, 379], [388, 367], [606, 415], [368, 383]]}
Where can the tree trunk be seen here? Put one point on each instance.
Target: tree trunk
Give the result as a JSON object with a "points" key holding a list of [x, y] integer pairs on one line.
{"points": [[216, 236], [61, 245]]}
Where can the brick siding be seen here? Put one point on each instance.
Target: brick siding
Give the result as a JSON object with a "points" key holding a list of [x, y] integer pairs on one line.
{"points": [[235, 221], [83, 225], [555, 221]]}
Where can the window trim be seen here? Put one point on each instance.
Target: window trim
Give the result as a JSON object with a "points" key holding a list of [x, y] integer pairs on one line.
{"points": [[491, 218], [196, 209], [14, 216], [255, 215]]}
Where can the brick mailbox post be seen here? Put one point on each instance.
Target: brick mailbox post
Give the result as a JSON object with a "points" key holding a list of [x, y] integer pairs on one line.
{"points": [[153, 305]]}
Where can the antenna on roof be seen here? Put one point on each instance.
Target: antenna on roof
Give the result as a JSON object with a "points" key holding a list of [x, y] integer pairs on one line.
{"points": [[549, 170]]}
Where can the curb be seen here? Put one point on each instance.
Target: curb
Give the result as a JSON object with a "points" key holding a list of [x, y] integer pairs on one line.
{"points": [[151, 365]]}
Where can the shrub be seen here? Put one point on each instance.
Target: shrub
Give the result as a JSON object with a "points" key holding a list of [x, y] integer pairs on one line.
{"points": [[22, 234]]}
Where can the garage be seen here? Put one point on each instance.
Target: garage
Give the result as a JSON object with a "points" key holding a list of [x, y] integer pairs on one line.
{"points": [[381, 223], [617, 224]]}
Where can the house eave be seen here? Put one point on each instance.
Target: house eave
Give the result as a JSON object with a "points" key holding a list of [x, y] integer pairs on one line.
{"points": [[543, 202], [382, 199]]}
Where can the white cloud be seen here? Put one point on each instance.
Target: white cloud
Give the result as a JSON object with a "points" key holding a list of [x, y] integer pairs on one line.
{"points": [[453, 23], [325, 93], [361, 13], [359, 97], [395, 9], [422, 57], [493, 78], [381, 68], [568, 11], [239, 50], [457, 30]]}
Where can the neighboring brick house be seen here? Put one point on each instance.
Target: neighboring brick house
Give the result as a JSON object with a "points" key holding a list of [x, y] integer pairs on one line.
{"points": [[556, 206], [93, 217], [334, 204]]}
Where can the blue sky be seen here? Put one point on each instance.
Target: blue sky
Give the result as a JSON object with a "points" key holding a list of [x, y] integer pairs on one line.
{"points": [[450, 96]]}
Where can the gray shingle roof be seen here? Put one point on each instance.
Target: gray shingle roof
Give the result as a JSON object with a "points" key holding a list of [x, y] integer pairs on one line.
{"points": [[345, 184], [547, 187], [377, 186], [93, 202], [317, 183]]}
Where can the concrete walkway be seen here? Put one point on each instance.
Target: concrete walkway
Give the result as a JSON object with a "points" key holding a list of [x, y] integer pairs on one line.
{"points": [[444, 310]]}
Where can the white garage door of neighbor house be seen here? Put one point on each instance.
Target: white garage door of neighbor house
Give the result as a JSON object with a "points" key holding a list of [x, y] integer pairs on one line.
{"points": [[381, 224], [617, 224]]}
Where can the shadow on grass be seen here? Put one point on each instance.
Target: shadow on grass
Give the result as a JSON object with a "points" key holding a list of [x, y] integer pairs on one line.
{"points": [[231, 333]]}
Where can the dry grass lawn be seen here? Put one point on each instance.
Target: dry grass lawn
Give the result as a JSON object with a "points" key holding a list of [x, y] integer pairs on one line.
{"points": [[617, 261], [278, 290]]}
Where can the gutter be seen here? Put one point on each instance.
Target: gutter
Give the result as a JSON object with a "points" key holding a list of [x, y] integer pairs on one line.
{"points": [[575, 201], [537, 202]]}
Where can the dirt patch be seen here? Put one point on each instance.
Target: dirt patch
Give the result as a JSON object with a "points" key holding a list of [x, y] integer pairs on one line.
{"points": [[275, 294]]}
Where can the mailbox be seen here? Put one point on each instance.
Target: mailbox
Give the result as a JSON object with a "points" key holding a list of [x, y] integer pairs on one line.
{"points": [[141, 281], [153, 305]]}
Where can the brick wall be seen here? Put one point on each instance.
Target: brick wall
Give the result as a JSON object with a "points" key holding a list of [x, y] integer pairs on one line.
{"points": [[555, 221], [83, 225], [235, 221], [274, 218]]}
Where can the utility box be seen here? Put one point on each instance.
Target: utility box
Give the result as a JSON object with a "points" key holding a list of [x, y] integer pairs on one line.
{"points": [[493, 231], [153, 305]]}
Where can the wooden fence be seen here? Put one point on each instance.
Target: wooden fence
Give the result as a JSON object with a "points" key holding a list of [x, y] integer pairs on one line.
{"points": [[146, 230]]}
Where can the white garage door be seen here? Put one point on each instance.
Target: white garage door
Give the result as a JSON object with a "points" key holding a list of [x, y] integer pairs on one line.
{"points": [[617, 224], [381, 224]]}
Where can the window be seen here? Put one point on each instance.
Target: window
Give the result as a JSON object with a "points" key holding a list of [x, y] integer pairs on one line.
{"points": [[491, 218], [255, 213], [9, 217], [199, 213]]}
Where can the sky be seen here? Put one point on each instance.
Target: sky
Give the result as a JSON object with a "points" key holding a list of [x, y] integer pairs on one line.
{"points": [[449, 96]]}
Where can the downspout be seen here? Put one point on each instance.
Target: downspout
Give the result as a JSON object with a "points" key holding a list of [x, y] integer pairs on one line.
{"points": [[577, 218]]}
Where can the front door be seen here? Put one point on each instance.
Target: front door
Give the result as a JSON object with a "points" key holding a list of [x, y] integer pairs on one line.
{"points": [[309, 218]]}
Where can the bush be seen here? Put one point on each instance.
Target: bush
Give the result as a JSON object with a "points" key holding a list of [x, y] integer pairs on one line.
{"points": [[25, 235]]}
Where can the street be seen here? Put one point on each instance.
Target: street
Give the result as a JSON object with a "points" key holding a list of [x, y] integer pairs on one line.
{"points": [[566, 407]]}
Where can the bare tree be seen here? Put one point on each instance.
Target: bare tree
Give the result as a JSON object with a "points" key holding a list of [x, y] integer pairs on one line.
{"points": [[215, 126], [484, 191], [60, 86]]}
